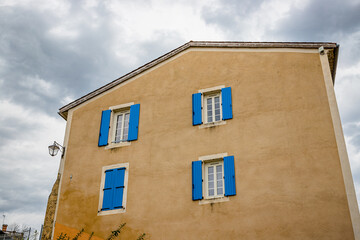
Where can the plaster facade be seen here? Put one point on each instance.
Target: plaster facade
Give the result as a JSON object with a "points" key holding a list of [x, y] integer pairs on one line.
{"points": [[288, 169]]}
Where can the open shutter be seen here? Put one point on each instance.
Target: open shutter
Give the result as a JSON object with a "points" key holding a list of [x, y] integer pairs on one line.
{"points": [[196, 107], [104, 128], [134, 122], [229, 176], [108, 190], [197, 180], [226, 103], [119, 187]]}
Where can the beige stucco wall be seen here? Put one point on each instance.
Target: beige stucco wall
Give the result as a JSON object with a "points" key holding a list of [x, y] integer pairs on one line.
{"points": [[288, 176]]}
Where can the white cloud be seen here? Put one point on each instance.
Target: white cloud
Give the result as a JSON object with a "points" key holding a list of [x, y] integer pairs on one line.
{"points": [[25, 163], [35, 82], [66, 100], [161, 21], [60, 50], [63, 31], [354, 158]]}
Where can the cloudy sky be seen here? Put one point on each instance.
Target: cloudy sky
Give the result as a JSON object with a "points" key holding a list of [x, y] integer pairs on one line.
{"points": [[52, 52]]}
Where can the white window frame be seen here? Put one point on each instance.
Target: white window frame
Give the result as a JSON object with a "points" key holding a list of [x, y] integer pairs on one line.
{"points": [[123, 112], [102, 184], [214, 163], [208, 160], [211, 96], [116, 111], [205, 94]]}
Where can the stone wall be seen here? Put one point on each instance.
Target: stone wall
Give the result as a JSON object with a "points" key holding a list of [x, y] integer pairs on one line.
{"points": [[50, 211]]}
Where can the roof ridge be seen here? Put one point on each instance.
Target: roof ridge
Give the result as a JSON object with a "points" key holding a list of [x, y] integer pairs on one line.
{"points": [[215, 44]]}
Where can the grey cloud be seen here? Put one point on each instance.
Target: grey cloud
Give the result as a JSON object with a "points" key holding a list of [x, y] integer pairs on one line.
{"points": [[21, 195], [15, 128], [78, 65], [356, 139], [161, 43], [347, 97], [352, 130], [74, 67], [320, 20], [231, 13]]}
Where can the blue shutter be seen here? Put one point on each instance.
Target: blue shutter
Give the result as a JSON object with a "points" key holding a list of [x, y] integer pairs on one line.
{"points": [[196, 107], [104, 128], [118, 188], [229, 176], [226, 103], [108, 190], [134, 122], [197, 180]]}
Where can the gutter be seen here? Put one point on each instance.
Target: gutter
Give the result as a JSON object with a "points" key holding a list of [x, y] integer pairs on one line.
{"points": [[336, 54]]}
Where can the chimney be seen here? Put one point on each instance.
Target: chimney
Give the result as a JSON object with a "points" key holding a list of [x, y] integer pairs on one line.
{"points": [[4, 227]]}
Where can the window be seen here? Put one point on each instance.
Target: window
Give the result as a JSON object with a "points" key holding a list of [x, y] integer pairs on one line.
{"points": [[113, 189], [214, 186], [213, 177], [122, 122], [212, 106], [121, 126]]}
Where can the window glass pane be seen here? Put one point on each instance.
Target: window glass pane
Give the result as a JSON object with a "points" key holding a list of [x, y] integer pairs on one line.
{"points": [[211, 177], [209, 117], [209, 109], [209, 103], [126, 126], [217, 114], [220, 191], [219, 180], [118, 128], [217, 108], [211, 192]]}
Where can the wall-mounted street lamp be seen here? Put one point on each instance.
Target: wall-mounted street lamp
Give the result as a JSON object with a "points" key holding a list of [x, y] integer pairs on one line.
{"points": [[54, 149]]}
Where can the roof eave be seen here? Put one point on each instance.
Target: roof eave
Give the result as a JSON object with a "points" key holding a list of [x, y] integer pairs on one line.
{"points": [[309, 45]]}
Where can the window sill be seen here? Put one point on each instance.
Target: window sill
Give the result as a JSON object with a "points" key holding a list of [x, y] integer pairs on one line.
{"points": [[212, 124], [214, 200], [116, 145], [109, 212]]}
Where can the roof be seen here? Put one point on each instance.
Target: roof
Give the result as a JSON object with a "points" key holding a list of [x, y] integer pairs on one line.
{"points": [[205, 44]]}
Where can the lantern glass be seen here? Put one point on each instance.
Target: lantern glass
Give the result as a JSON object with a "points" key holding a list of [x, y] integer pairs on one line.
{"points": [[53, 150]]}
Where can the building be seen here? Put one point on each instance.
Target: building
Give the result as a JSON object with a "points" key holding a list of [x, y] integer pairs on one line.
{"points": [[213, 140], [11, 235]]}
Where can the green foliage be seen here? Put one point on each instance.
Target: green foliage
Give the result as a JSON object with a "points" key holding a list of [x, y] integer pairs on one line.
{"points": [[63, 236], [116, 232], [112, 236], [91, 235], [141, 237], [78, 234]]}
